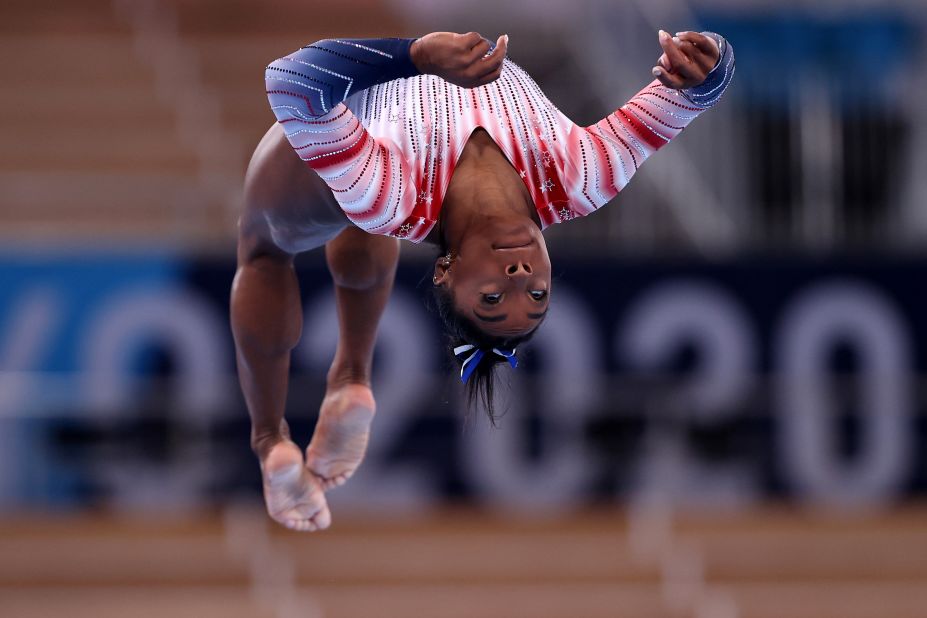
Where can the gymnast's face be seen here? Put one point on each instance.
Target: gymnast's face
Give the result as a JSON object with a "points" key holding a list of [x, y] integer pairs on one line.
{"points": [[500, 278]]}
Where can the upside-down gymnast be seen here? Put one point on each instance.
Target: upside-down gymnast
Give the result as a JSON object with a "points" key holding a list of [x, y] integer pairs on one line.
{"points": [[439, 139]]}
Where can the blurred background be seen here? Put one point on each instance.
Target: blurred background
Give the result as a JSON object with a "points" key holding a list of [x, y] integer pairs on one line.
{"points": [[725, 415]]}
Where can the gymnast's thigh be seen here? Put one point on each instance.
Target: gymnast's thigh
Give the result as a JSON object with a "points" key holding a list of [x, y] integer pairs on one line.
{"points": [[285, 201]]}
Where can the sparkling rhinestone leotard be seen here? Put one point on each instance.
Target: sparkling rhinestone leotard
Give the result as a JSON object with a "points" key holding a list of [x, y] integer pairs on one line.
{"points": [[386, 139]]}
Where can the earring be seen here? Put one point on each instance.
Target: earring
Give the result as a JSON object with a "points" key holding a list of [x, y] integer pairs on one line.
{"points": [[446, 262]]}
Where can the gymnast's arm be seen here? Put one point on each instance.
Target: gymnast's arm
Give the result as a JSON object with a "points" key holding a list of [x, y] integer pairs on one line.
{"points": [[306, 90], [312, 81], [693, 73]]}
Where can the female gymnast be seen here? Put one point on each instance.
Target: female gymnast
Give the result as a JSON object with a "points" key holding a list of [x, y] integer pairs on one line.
{"points": [[439, 139]]}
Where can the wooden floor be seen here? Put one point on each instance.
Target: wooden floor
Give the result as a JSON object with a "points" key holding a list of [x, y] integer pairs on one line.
{"points": [[767, 564]]}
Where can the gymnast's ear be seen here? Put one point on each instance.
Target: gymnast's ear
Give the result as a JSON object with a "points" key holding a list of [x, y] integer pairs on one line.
{"points": [[442, 271]]}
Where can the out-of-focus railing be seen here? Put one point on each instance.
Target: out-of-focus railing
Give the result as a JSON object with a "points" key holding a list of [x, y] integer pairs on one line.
{"points": [[812, 148]]}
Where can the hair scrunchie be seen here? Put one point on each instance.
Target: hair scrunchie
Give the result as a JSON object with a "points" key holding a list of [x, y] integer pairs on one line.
{"points": [[469, 365]]}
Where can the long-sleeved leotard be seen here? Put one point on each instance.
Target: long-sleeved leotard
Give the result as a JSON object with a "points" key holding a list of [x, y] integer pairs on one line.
{"points": [[386, 139]]}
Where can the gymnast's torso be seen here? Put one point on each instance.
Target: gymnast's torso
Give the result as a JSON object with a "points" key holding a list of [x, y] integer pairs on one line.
{"points": [[429, 122]]}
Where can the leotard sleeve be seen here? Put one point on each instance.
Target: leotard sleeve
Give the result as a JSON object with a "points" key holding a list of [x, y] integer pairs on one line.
{"points": [[306, 90], [606, 155]]}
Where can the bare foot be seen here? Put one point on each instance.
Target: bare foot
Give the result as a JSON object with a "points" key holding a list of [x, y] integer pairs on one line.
{"points": [[292, 494], [340, 438]]}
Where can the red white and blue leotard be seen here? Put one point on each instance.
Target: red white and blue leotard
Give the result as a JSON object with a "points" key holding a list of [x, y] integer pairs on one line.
{"points": [[386, 139]]}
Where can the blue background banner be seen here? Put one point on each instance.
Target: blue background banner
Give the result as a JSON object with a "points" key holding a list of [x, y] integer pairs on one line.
{"points": [[795, 378]]}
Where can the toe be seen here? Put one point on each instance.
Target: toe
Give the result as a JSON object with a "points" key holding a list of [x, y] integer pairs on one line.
{"points": [[322, 519], [317, 468]]}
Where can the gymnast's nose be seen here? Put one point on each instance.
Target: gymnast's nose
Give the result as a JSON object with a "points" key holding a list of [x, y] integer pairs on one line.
{"points": [[518, 269]]}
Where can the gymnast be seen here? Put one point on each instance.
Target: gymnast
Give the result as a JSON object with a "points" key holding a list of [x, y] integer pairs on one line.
{"points": [[442, 140]]}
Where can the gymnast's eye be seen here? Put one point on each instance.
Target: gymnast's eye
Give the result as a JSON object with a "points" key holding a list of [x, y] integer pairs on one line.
{"points": [[538, 294], [492, 299]]}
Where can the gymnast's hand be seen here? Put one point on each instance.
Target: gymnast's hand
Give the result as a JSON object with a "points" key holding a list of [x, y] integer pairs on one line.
{"points": [[687, 59], [461, 59]]}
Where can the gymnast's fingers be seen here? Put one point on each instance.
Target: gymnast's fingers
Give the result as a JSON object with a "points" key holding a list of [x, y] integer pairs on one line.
{"points": [[668, 79], [704, 44], [665, 63], [491, 65], [497, 55], [702, 50], [682, 66], [473, 55], [469, 40], [490, 77]]}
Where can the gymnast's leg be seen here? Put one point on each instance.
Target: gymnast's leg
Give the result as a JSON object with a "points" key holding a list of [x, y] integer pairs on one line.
{"points": [[363, 267], [288, 209], [267, 321]]}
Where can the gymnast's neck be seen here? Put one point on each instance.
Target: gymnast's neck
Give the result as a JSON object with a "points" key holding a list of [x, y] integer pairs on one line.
{"points": [[484, 187]]}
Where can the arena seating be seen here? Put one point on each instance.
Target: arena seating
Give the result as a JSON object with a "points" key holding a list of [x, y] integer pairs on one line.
{"points": [[234, 50], [88, 148], [93, 147]]}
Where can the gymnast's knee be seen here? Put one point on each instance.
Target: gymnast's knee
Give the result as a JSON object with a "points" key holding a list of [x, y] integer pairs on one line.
{"points": [[256, 239], [361, 261]]}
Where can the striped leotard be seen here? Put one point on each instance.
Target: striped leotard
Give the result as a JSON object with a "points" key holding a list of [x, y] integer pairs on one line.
{"points": [[386, 139]]}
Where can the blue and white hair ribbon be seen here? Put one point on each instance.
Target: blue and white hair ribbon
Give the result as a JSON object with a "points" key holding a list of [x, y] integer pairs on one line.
{"points": [[469, 365]]}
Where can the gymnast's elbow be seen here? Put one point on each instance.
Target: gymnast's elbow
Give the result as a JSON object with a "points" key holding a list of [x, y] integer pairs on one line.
{"points": [[290, 93]]}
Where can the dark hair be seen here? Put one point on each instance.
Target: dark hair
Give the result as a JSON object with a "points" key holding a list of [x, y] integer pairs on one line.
{"points": [[461, 330]]}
